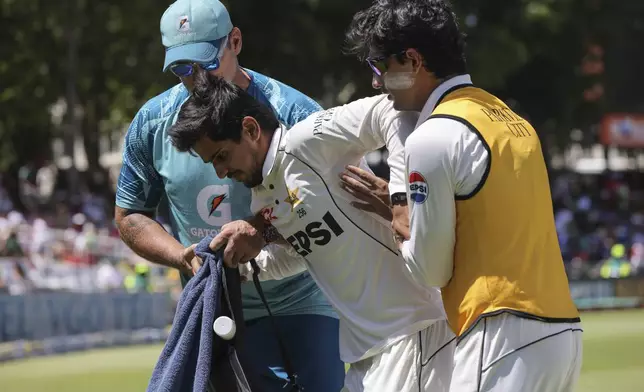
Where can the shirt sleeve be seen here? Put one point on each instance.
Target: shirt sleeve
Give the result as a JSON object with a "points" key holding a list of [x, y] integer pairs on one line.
{"points": [[275, 262], [388, 127], [357, 128], [300, 107], [139, 187], [395, 137], [444, 159]]}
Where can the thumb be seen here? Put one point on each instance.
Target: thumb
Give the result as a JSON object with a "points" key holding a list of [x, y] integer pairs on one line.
{"points": [[195, 264], [218, 242], [189, 252]]}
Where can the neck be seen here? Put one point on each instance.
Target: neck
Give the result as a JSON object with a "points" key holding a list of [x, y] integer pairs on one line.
{"points": [[242, 79], [265, 141], [423, 96], [265, 145]]}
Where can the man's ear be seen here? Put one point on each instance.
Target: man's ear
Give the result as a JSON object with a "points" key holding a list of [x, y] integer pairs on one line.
{"points": [[251, 128], [235, 40], [416, 60]]}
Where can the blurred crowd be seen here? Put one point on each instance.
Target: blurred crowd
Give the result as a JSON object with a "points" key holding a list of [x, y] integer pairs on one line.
{"points": [[600, 223], [74, 246]]}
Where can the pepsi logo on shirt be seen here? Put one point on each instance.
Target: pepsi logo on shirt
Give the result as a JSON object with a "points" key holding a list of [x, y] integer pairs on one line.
{"points": [[417, 187]]}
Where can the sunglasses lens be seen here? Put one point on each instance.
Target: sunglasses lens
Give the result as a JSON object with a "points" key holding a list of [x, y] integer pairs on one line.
{"points": [[381, 66], [377, 66], [211, 67], [182, 70]]}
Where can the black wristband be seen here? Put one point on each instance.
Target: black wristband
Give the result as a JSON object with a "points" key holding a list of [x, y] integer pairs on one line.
{"points": [[399, 198]]}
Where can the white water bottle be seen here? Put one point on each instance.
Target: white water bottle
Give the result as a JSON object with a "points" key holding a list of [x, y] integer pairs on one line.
{"points": [[224, 327]]}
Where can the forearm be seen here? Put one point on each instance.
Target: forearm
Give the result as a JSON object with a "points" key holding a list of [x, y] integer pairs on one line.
{"points": [[429, 262], [148, 239]]}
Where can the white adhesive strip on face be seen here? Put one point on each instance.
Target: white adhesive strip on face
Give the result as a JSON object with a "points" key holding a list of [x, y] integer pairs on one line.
{"points": [[399, 80]]}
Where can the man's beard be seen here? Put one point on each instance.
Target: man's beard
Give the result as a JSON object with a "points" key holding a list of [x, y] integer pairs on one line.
{"points": [[254, 180], [256, 177]]}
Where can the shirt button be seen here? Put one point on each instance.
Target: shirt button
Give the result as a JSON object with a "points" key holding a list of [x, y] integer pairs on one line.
{"points": [[271, 186]]}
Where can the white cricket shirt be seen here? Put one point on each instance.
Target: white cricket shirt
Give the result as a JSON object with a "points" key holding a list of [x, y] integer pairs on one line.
{"points": [[350, 254]]}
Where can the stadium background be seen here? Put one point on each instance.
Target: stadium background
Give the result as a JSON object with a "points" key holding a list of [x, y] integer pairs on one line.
{"points": [[79, 311]]}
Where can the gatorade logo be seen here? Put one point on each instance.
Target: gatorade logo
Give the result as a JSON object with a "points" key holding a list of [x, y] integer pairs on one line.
{"points": [[213, 206], [417, 187], [216, 201], [184, 23]]}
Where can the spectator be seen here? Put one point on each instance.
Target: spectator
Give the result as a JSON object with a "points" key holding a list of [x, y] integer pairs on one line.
{"points": [[11, 246], [616, 266]]}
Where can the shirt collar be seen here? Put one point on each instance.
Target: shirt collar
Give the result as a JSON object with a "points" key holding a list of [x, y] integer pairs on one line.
{"points": [[438, 94], [269, 161]]}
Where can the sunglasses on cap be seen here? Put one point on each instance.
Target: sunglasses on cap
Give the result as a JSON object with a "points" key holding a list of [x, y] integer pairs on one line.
{"points": [[183, 70], [379, 64]]}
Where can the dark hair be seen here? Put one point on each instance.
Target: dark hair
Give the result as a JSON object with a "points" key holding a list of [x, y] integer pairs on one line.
{"points": [[389, 27], [216, 109]]}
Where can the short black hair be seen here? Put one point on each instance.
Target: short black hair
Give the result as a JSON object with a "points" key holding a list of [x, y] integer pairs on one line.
{"points": [[389, 27], [215, 109]]}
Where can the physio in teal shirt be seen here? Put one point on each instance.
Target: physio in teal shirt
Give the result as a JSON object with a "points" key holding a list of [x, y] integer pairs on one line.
{"points": [[200, 203]]}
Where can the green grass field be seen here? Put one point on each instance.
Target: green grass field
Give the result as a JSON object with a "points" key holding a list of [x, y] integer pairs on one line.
{"points": [[613, 361]]}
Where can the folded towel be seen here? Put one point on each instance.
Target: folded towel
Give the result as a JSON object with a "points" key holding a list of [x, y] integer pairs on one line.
{"points": [[194, 358]]}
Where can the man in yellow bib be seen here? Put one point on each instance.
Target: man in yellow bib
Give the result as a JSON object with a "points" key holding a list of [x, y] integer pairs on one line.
{"points": [[481, 222]]}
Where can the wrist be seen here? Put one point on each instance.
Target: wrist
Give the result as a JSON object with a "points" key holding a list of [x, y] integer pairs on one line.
{"points": [[399, 198], [270, 234], [257, 222], [266, 231], [180, 263], [185, 268]]}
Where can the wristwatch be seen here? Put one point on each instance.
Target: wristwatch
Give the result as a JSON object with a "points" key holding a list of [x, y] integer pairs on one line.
{"points": [[399, 198]]}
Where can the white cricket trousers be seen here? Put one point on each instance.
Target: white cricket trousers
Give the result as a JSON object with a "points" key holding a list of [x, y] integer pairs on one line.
{"points": [[507, 353], [418, 363]]}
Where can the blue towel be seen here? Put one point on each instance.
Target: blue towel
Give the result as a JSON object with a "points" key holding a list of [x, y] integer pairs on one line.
{"points": [[186, 361]]}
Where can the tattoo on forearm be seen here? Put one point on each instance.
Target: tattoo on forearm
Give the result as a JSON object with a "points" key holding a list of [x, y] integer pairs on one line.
{"points": [[133, 226], [138, 232]]}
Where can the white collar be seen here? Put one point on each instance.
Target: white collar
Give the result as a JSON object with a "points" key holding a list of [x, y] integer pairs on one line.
{"points": [[269, 161], [439, 93]]}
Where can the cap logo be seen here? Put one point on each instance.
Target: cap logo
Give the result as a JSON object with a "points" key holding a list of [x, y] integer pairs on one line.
{"points": [[184, 24]]}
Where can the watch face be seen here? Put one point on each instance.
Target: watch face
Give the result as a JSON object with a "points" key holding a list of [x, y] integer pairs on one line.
{"points": [[399, 198]]}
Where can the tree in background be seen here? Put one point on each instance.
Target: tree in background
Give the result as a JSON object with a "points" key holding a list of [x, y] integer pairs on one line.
{"points": [[100, 58], [104, 58]]}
